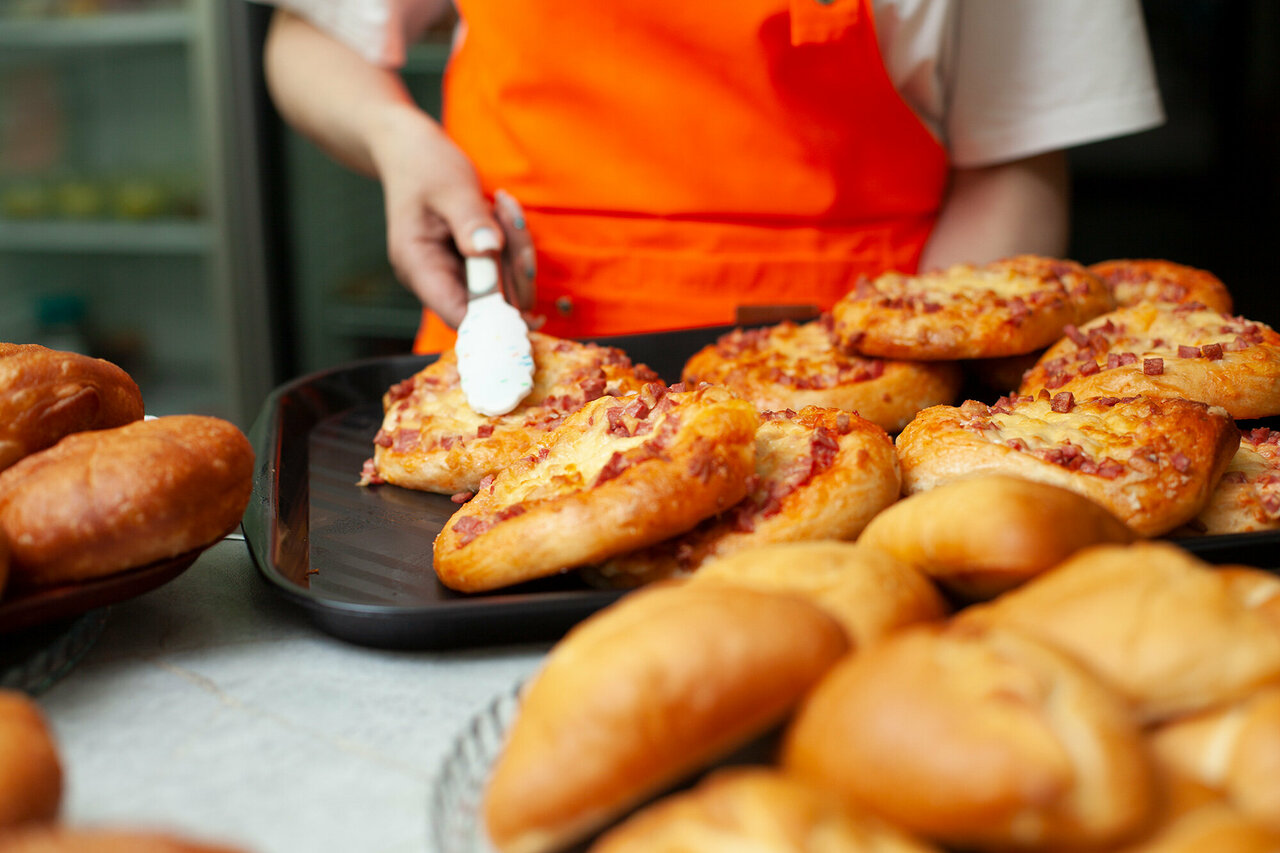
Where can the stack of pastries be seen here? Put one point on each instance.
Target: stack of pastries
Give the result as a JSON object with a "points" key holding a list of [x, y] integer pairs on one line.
{"points": [[90, 487], [948, 623], [1128, 382]]}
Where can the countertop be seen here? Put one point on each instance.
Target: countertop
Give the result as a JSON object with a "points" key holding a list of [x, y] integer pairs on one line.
{"points": [[213, 708]]}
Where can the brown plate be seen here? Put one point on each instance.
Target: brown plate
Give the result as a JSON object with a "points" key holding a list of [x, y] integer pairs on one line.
{"points": [[33, 607]]}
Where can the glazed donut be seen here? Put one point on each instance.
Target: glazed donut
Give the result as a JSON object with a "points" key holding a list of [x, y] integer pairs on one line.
{"points": [[46, 394]]}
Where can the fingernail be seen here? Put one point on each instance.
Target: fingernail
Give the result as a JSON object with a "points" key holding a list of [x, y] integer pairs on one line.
{"points": [[484, 239]]}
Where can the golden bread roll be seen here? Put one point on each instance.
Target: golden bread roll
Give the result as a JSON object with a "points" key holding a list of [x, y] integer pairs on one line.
{"points": [[976, 738], [754, 809], [870, 593], [1235, 750], [1247, 497], [819, 474], [59, 839], [105, 501], [660, 684], [1170, 632], [46, 394], [980, 536], [619, 474], [1211, 828], [30, 771]]}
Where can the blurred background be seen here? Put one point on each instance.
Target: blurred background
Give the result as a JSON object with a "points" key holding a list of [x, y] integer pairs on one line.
{"points": [[154, 211]]}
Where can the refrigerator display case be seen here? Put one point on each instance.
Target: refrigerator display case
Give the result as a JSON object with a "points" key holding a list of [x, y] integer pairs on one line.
{"points": [[130, 196]]}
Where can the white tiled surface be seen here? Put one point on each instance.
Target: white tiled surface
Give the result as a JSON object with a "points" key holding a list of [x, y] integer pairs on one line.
{"points": [[213, 708]]}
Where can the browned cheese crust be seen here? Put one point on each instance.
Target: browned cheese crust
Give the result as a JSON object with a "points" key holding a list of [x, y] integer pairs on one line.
{"points": [[64, 839], [869, 592], [1234, 750], [819, 474], [114, 499], [46, 394], [1163, 350], [754, 808], [1151, 462], [986, 534], [791, 366], [981, 738], [1248, 495], [433, 441], [30, 771], [1171, 633], [1147, 280], [1008, 307], [617, 475], [667, 680]]}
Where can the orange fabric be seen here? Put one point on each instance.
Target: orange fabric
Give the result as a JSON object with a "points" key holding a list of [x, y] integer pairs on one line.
{"points": [[679, 161]]}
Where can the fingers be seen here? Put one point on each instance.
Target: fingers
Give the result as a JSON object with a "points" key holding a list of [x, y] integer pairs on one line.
{"points": [[519, 259]]}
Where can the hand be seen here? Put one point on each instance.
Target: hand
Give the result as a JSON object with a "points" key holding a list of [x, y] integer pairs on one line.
{"points": [[434, 208]]}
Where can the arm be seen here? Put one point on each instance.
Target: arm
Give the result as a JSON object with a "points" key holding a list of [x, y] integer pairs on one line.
{"points": [[363, 116], [997, 211]]}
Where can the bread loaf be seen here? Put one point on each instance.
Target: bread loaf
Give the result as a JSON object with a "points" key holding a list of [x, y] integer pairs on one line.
{"points": [[114, 499], [30, 771], [660, 684]]}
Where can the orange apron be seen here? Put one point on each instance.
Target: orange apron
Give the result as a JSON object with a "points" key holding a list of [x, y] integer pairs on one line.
{"points": [[680, 163]]}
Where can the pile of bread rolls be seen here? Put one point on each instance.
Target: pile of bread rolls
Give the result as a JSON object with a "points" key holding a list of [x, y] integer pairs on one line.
{"points": [[995, 665], [89, 487]]}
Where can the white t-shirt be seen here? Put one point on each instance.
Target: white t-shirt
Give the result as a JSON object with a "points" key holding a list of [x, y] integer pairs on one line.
{"points": [[994, 80]]}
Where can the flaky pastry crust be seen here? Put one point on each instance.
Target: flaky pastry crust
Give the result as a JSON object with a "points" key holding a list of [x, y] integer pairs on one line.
{"points": [[1162, 350], [1151, 462], [790, 366], [619, 474], [1007, 307], [819, 474], [433, 441]]}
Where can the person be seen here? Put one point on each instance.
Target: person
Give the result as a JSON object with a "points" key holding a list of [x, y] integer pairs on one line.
{"points": [[698, 164]]}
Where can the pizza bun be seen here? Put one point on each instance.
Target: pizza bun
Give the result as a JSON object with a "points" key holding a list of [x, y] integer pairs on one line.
{"points": [[101, 502], [1163, 350], [1235, 750], [46, 394], [30, 770], [1247, 498], [1169, 632], [617, 475], [982, 535], [978, 738], [431, 440], [659, 684], [870, 593], [819, 474], [753, 808], [790, 366], [1148, 280], [53, 838], [1008, 307], [1151, 462]]}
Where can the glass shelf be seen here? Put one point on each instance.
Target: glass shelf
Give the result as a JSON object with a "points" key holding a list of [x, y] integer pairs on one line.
{"points": [[116, 29], [159, 236]]}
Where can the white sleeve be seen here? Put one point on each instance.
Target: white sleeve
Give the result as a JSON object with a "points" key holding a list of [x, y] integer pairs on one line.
{"points": [[1031, 76], [379, 30]]}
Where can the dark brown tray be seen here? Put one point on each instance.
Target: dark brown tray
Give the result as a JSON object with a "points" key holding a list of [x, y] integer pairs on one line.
{"points": [[359, 559]]}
